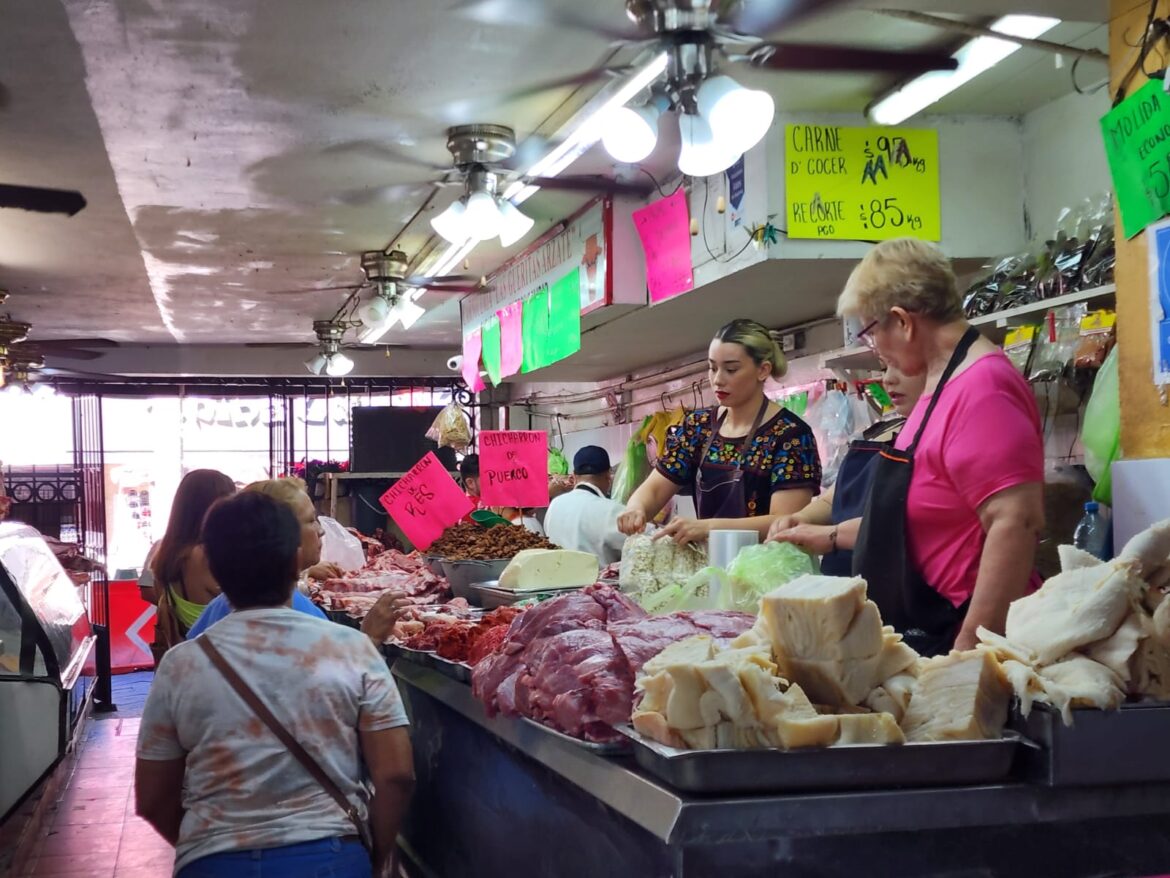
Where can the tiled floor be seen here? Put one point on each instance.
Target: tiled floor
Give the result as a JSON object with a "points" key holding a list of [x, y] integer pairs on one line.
{"points": [[92, 830]]}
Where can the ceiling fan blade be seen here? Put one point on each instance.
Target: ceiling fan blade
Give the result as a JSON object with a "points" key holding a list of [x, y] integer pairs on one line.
{"points": [[574, 80], [304, 290], [420, 280], [64, 353], [595, 184], [762, 17], [815, 58], [462, 289], [5, 96], [376, 149], [535, 13], [55, 343], [32, 198], [282, 345], [375, 195]]}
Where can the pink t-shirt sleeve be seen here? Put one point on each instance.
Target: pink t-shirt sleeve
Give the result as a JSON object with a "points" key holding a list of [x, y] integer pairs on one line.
{"points": [[1000, 414]]}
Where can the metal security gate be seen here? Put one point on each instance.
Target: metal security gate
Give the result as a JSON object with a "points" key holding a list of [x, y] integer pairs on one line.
{"points": [[89, 460], [281, 441]]}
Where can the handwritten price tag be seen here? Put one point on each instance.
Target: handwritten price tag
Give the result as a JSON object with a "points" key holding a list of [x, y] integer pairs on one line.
{"points": [[425, 502], [513, 468], [664, 227]]}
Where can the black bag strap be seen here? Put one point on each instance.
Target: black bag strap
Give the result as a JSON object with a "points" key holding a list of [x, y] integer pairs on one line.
{"points": [[250, 698], [960, 353]]}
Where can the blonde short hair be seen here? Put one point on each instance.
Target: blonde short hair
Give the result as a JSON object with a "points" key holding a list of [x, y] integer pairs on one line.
{"points": [[758, 341], [902, 273], [287, 490]]}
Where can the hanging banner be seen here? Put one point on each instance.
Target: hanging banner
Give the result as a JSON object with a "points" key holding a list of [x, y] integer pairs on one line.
{"points": [[511, 338], [582, 245], [534, 330], [491, 350], [664, 228], [1137, 144], [513, 468], [564, 320], [472, 346], [862, 184], [425, 502]]}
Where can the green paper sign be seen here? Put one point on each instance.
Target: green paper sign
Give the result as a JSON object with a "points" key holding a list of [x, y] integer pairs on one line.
{"points": [[1137, 144], [534, 330], [491, 349], [564, 318]]}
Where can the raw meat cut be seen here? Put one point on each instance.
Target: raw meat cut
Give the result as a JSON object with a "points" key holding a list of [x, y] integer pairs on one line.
{"points": [[959, 697], [642, 639]]}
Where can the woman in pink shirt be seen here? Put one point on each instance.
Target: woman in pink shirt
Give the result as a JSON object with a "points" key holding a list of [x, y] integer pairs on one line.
{"points": [[949, 534]]}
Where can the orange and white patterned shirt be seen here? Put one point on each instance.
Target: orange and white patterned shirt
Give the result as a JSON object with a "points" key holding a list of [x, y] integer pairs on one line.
{"points": [[242, 788]]}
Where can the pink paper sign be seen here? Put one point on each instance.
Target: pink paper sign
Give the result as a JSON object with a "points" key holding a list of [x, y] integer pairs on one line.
{"points": [[513, 468], [665, 230], [425, 502], [472, 348], [511, 338]]}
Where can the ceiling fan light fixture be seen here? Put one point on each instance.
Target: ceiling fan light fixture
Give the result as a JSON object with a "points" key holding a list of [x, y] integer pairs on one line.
{"points": [[738, 116], [631, 133], [338, 365], [451, 224], [975, 57], [482, 219], [701, 154], [43, 391], [514, 224], [374, 310], [316, 364]]}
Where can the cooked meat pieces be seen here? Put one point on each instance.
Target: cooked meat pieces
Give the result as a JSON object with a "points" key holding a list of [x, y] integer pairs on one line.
{"points": [[468, 541]]}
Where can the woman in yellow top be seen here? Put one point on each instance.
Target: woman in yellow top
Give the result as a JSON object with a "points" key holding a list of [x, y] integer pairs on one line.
{"points": [[183, 582]]}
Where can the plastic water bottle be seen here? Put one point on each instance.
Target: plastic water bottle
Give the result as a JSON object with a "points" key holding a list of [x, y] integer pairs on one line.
{"points": [[1093, 533]]}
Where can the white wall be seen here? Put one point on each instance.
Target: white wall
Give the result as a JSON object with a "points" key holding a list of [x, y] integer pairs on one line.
{"points": [[1064, 157]]}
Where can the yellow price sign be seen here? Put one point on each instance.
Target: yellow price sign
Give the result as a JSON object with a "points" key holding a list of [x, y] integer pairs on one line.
{"points": [[861, 184]]}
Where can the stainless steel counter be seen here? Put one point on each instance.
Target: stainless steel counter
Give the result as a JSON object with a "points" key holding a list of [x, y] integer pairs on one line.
{"points": [[497, 794]]}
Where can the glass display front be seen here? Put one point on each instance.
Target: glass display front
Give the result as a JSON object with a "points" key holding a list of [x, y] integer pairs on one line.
{"points": [[32, 567]]}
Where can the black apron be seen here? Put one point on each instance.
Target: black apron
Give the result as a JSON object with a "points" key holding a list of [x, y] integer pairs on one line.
{"points": [[927, 621], [723, 495], [850, 492]]}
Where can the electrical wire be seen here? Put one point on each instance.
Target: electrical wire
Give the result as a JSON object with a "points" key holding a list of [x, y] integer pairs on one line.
{"points": [[703, 228], [658, 185], [1092, 90], [1144, 47]]}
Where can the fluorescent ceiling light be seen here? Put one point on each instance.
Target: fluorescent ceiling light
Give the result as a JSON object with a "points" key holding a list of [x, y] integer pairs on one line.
{"points": [[977, 56], [588, 132]]}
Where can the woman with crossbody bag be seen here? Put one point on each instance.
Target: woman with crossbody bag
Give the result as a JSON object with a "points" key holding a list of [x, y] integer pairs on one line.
{"points": [[253, 753]]}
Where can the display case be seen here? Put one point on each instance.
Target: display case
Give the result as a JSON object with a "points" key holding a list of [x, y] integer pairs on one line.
{"points": [[46, 643]]}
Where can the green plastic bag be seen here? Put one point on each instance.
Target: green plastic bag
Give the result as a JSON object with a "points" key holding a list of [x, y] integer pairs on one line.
{"points": [[758, 570], [558, 464], [633, 468], [1101, 433]]}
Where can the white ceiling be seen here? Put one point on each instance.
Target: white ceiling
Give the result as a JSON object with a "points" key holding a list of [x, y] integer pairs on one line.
{"points": [[212, 139]]}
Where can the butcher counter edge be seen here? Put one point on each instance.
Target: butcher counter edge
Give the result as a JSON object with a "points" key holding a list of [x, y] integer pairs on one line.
{"points": [[678, 819]]}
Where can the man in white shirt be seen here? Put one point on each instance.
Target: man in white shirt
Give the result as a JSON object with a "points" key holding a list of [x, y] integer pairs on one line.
{"points": [[585, 519]]}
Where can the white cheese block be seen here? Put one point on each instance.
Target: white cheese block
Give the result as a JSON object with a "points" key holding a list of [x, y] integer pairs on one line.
{"points": [[549, 568], [958, 697]]}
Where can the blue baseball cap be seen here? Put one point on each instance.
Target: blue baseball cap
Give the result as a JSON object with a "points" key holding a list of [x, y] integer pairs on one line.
{"points": [[592, 460]]}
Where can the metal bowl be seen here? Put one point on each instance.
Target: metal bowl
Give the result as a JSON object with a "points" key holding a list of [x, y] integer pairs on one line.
{"points": [[462, 574], [434, 564]]}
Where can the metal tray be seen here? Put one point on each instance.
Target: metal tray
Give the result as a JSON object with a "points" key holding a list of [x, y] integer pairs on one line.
{"points": [[1127, 745], [341, 617], [848, 767], [489, 596], [462, 575], [612, 748], [426, 658]]}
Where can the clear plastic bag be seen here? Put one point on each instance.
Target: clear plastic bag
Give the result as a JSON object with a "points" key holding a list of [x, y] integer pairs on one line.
{"points": [[835, 423], [340, 547], [1059, 335], [757, 570], [633, 468], [450, 428]]}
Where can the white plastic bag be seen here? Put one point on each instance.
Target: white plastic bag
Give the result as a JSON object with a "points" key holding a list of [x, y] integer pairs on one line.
{"points": [[340, 547]]}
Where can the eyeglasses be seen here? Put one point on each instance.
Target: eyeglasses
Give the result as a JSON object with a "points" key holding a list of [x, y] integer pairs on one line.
{"points": [[864, 336]]}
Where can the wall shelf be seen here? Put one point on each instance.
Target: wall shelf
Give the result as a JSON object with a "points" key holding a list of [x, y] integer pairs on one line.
{"points": [[1003, 319]]}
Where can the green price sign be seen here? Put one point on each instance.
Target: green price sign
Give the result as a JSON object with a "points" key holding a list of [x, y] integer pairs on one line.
{"points": [[1137, 144]]}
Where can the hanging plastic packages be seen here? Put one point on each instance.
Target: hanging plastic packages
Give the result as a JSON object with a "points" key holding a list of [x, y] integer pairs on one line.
{"points": [[1101, 433], [558, 464], [450, 428]]}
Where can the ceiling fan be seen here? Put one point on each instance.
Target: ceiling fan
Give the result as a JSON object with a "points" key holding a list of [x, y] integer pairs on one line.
{"points": [[719, 120], [382, 268], [14, 335], [41, 200]]}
